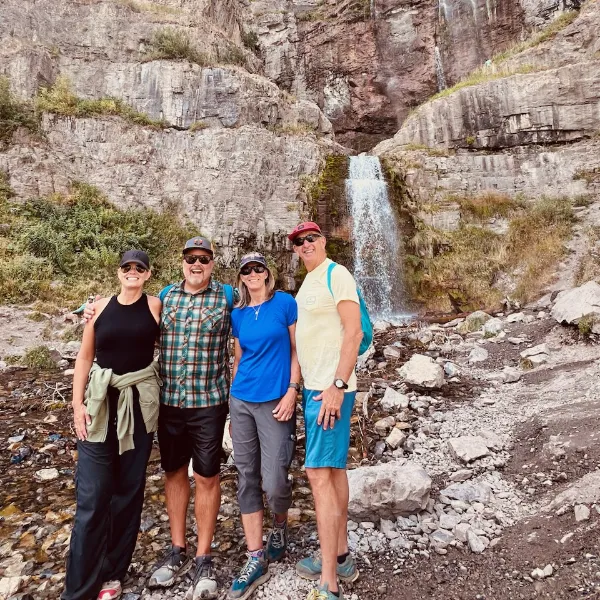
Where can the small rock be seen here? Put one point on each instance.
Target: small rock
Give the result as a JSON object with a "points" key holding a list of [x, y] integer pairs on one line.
{"points": [[422, 371], [383, 426], [468, 447], [461, 475], [478, 354], [582, 513], [394, 400], [475, 542], [396, 438], [47, 474]]}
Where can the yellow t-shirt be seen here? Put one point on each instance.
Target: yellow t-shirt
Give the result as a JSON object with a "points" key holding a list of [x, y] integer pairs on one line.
{"points": [[319, 330]]}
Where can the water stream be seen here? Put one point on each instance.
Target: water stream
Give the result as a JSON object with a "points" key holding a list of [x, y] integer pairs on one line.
{"points": [[376, 237]]}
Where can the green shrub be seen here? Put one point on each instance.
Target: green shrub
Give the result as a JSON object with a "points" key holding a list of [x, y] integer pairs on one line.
{"points": [[586, 324], [40, 358], [75, 242], [59, 99], [250, 41], [173, 44], [13, 114]]}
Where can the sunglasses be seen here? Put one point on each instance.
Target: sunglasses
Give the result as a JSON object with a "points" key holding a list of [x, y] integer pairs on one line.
{"points": [[310, 238], [138, 268], [190, 259], [249, 268]]}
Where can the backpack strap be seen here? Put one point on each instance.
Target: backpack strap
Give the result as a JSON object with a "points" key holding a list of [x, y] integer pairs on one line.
{"points": [[228, 289], [329, 269], [163, 293]]}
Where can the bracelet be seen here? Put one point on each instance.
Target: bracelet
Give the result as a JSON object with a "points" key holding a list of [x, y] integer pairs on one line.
{"points": [[296, 386]]}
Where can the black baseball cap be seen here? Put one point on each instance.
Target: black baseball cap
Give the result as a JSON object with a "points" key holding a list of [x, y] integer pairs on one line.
{"points": [[137, 257]]}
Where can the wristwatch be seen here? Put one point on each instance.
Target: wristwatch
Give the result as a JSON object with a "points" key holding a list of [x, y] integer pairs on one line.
{"points": [[296, 386], [340, 384]]}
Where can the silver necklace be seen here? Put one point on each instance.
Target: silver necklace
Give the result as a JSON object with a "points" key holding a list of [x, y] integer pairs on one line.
{"points": [[256, 310]]}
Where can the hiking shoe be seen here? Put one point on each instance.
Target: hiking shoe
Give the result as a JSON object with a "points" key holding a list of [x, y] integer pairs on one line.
{"points": [[254, 573], [321, 592], [204, 585], [111, 590], [310, 568], [174, 563], [277, 542]]}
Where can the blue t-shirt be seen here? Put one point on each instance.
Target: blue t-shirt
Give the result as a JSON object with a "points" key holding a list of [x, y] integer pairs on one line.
{"points": [[263, 373]]}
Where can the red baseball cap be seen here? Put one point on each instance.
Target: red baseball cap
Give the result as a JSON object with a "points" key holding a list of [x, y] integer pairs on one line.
{"points": [[308, 226]]}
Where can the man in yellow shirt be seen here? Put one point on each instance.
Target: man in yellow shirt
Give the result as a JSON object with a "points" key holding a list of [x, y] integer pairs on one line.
{"points": [[328, 335]]}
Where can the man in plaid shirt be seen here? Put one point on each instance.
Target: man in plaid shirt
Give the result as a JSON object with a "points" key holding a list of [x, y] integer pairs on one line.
{"points": [[194, 334]]}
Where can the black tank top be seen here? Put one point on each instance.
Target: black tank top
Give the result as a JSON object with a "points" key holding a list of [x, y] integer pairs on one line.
{"points": [[125, 336]]}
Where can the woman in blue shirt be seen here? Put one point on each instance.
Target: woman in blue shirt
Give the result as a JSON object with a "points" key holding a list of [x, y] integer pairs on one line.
{"points": [[266, 377]]}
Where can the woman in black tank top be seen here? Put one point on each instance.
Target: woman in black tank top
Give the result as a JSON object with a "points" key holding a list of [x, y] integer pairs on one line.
{"points": [[111, 468]]}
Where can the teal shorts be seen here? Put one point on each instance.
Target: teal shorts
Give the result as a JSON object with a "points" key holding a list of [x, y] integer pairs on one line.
{"points": [[326, 448]]}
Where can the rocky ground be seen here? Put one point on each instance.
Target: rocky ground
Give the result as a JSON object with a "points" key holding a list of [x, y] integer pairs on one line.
{"points": [[475, 471]]}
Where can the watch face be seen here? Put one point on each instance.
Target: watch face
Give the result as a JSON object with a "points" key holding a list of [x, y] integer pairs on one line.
{"points": [[338, 384]]}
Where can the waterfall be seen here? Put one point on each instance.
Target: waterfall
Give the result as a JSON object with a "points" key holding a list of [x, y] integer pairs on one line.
{"points": [[376, 238], [439, 69]]}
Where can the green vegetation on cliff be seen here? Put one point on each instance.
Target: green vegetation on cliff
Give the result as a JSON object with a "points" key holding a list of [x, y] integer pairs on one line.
{"points": [[13, 114], [473, 266], [59, 99], [174, 44], [63, 248]]}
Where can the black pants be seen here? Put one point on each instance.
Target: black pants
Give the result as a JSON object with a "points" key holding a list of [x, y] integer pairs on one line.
{"points": [[110, 495]]}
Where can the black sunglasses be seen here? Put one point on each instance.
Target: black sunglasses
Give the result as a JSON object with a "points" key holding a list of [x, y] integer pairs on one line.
{"points": [[190, 259], [246, 270], [310, 238], [138, 268]]}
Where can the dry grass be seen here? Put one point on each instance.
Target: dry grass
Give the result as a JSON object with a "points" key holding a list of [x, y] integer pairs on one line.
{"points": [[484, 74], [486, 205], [467, 263], [589, 266]]}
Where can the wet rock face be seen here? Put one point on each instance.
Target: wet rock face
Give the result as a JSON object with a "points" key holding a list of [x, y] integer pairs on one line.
{"points": [[368, 64], [469, 33]]}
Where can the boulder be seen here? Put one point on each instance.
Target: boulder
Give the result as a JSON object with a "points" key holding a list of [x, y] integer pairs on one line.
{"points": [[584, 491], [388, 490], [394, 400], [422, 371], [515, 317], [571, 306], [468, 447]]}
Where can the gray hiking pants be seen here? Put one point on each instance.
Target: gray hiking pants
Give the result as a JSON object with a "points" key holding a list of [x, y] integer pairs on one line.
{"points": [[263, 449]]}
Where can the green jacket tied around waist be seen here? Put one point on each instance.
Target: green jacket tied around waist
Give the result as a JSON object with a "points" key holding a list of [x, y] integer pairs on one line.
{"points": [[148, 384]]}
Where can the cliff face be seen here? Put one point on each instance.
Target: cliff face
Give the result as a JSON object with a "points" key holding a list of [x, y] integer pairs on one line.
{"points": [[367, 64], [237, 174]]}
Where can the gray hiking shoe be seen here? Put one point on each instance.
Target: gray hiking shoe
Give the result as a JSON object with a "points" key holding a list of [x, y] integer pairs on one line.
{"points": [[172, 565], [310, 568], [204, 585]]}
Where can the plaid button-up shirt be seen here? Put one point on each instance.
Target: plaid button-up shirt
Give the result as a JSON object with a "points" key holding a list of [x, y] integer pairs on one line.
{"points": [[194, 337]]}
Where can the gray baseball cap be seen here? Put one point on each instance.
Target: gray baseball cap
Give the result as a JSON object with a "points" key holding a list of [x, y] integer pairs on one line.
{"points": [[199, 243], [253, 257]]}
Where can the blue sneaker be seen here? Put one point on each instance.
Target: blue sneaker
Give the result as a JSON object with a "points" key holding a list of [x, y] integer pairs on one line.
{"points": [[321, 592], [254, 573], [310, 568], [277, 542]]}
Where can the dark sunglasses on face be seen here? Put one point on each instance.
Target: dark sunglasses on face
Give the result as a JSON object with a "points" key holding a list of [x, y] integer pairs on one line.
{"points": [[190, 259], [249, 268], [310, 238], [138, 268]]}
